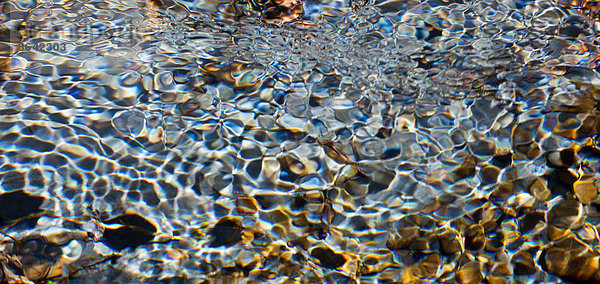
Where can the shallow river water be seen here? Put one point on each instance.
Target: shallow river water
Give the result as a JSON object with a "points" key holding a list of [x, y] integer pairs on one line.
{"points": [[299, 141]]}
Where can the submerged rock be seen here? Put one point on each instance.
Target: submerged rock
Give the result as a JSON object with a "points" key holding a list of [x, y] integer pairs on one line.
{"points": [[128, 231], [571, 265], [16, 205], [328, 258], [226, 232], [470, 273], [54, 255]]}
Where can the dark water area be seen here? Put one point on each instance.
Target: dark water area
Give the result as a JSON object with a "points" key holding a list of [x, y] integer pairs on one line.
{"points": [[299, 141]]}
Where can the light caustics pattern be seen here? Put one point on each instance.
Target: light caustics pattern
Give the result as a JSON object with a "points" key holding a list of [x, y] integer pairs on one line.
{"points": [[314, 141]]}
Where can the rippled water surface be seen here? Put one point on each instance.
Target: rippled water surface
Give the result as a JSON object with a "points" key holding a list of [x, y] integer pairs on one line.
{"points": [[299, 141]]}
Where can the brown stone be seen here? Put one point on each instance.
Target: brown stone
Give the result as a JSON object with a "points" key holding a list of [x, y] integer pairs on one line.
{"points": [[466, 169], [432, 207], [247, 205], [503, 158], [483, 147], [572, 267], [449, 243], [375, 263], [301, 242], [561, 159], [410, 275], [470, 273], [421, 221], [491, 279], [403, 239], [555, 233], [530, 220], [490, 174], [531, 150], [276, 216], [328, 258], [430, 266], [474, 237], [501, 269], [585, 189], [495, 242], [523, 263], [357, 186], [521, 135], [566, 214], [502, 192], [539, 190], [566, 177], [420, 243]]}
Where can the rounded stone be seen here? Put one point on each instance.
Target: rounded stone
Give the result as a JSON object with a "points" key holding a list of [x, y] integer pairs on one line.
{"points": [[585, 189], [489, 174], [470, 273], [523, 263], [502, 192], [561, 159], [539, 190], [449, 242], [247, 205], [403, 239], [566, 214], [474, 237]]}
